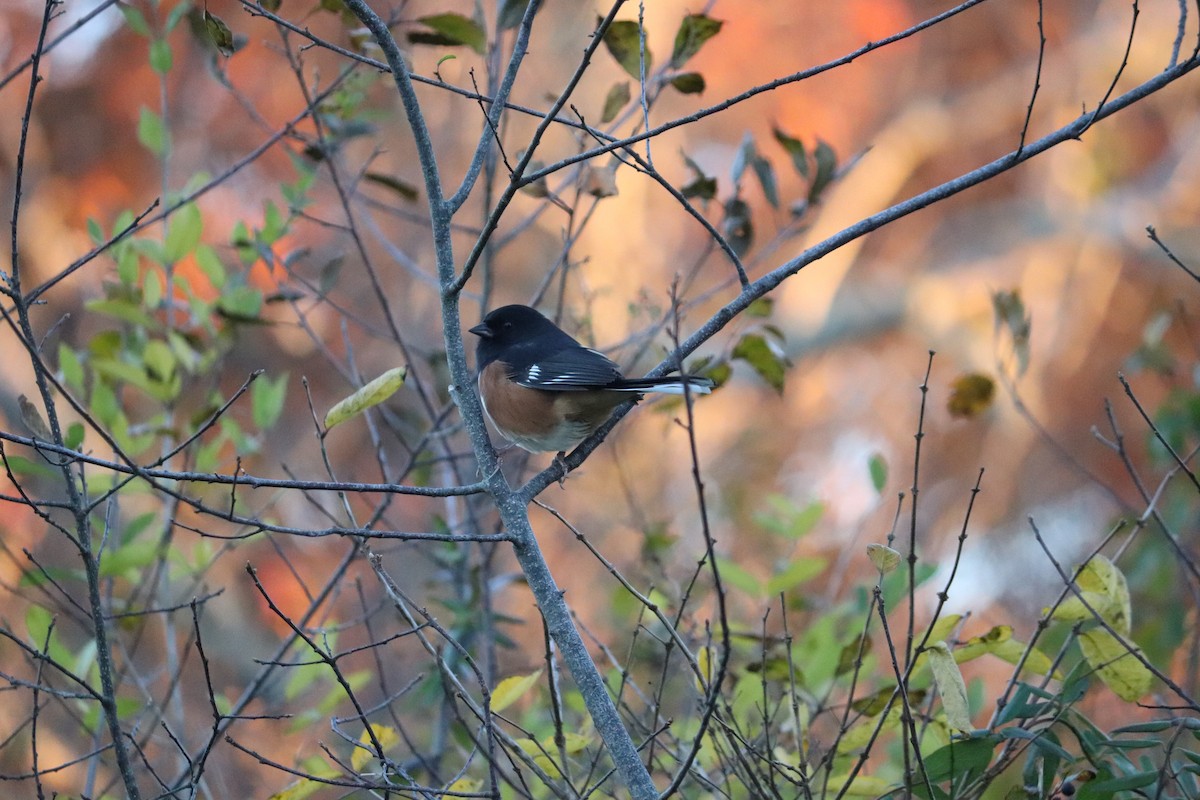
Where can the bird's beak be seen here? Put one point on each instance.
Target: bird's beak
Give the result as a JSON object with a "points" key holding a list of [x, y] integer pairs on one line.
{"points": [[482, 331]]}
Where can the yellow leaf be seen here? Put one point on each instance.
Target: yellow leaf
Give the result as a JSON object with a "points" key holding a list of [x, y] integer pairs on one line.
{"points": [[986, 643], [944, 627], [387, 737], [372, 394], [1103, 586], [510, 690], [535, 750], [970, 395], [572, 742], [704, 660], [858, 734], [466, 786], [1125, 675], [950, 685]]}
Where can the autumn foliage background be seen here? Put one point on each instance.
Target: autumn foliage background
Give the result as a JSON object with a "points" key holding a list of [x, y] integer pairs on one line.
{"points": [[1066, 233]]}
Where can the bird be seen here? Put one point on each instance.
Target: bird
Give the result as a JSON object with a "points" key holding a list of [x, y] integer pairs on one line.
{"points": [[544, 391]]}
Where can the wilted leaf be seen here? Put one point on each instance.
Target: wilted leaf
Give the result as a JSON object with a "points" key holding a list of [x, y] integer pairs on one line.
{"points": [[826, 161], [702, 186], [970, 394], [851, 654], [511, 13], [694, 31], [405, 190], [219, 33], [372, 394], [884, 558], [512, 689], [450, 30], [614, 101], [688, 83], [795, 149], [601, 181], [1010, 314], [737, 228], [950, 685], [624, 42], [758, 353], [31, 415]]}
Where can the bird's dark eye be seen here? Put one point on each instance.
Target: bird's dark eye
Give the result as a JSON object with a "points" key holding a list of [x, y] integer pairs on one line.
{"points": [[507, 325]]}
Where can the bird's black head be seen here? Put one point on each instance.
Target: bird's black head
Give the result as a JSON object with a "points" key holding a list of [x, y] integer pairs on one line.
{"points": [[519, 327]]}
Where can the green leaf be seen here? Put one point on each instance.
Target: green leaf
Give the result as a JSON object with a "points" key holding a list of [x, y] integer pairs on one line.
{"points": [[160, 56], [95, 232], [688, 83], [242, 303], [694, 31], [219, 34], [755, 351], [135, 20], [798, 571], [266, 400], [614, 101], [128, 558], [159, 360], [879, 471], [738, 577], [152, 133], [122, 310], [37, 624], [795, 149], [372, 394], [177, 13], [960, 761], [624, 42], [183, 236], [127, 266], [451, 30], [70, 366], [210, 264]]}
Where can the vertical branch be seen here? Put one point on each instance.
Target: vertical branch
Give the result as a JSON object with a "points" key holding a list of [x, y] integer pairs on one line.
{"points": [[76, 490]]}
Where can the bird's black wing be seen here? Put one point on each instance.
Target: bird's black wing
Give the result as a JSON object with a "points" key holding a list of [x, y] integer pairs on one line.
{"points": [[574, 369]]}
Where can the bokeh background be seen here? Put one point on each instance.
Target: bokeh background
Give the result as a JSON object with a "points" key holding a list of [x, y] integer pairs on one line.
{"points": [[1066, 231]]}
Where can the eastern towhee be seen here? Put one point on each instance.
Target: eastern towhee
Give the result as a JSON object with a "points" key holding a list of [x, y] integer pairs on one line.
{"points": [[546, 392]]}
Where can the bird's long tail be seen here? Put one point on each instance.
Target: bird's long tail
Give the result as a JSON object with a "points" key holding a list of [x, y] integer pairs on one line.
{"points": [[670, 384]]}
